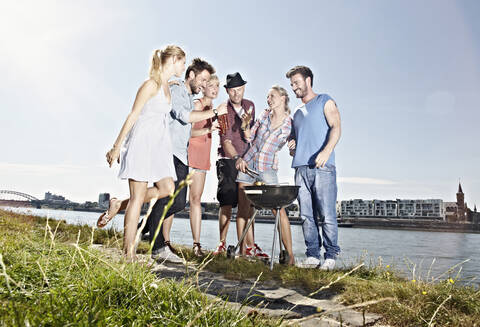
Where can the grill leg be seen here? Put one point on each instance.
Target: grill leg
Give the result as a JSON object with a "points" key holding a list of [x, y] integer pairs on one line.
{"points": [[277, 218], [279, 231], [250, 222]]}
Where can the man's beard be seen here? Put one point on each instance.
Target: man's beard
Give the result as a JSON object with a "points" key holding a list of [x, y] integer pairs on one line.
{"points": [[300, 93], [193, 87], [237, 103]]}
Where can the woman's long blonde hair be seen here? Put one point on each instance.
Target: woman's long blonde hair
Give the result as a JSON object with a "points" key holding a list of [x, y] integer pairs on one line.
{"points": [[282, 93], [160, 57]]}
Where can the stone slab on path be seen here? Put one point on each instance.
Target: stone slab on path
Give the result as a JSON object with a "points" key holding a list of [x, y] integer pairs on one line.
{"points": [[263, 297], [268, 298]]}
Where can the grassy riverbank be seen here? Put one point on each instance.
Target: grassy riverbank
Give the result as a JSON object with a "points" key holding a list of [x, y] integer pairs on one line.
{"points": [[440, 301], [377, 287], [50, 276]]}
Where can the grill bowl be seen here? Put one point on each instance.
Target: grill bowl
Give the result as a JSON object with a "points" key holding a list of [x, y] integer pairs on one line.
{"points": [[271, 196]]}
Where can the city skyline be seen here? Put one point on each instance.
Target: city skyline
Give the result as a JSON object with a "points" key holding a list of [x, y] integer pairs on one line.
{"points": [[105, 196], [406, 87]]}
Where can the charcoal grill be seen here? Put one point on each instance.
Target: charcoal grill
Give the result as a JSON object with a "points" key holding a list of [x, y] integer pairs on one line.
{"points": [[269, 197]]}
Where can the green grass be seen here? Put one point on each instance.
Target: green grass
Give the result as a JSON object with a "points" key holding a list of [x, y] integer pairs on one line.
{"points": [[412, 302], [85, 287], [51, 277]]}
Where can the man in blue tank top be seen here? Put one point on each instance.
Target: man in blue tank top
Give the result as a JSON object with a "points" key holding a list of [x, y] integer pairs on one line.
{"points": [[316, 128]]}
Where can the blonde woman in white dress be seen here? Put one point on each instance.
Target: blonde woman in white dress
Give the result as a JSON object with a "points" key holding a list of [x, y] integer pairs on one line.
{"points": [[147, 144]]}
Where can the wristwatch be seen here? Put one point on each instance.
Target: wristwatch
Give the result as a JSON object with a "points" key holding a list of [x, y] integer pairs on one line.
{"points": [[215, 111], [236, 157]]}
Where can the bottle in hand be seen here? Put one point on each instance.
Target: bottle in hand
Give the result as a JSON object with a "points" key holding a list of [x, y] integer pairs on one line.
{"points": [[223, 123]]}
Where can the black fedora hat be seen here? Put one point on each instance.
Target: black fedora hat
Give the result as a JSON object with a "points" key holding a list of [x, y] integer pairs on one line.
{"points": [[234, 80]]}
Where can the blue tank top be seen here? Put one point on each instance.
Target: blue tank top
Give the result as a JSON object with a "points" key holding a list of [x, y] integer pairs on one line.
{"points": [[311, 132]]}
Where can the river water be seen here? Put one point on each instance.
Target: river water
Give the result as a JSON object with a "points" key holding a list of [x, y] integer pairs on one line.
{"points": [[411, 252]]}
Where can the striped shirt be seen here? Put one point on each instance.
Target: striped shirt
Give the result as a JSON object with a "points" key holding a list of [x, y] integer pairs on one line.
{"points": [[266, 142]]}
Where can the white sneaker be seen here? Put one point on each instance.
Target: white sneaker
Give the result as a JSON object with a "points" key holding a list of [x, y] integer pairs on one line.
{"points": [[310, 262], [328, 264], [165, 254]]}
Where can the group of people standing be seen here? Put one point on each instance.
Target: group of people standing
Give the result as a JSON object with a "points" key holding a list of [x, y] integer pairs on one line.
{"points": [[169, 133]]}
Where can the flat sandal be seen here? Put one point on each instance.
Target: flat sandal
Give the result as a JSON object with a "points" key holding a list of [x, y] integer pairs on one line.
{"points": [[104, 219]]}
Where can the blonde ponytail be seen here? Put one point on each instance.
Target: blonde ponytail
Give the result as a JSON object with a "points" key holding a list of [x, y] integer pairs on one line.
{"points": [[160, 57], [155, 67]]}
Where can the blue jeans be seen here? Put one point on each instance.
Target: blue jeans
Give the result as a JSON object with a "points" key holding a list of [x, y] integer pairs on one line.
{"points": [[317, 198]]}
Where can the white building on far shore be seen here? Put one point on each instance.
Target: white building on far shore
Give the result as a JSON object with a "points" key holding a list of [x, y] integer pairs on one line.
{"points": [[419, 209]]}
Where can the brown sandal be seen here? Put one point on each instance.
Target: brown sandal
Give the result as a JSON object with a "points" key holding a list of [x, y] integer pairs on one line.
{"points": [[197, 250], [173, 249], [104, 218]]}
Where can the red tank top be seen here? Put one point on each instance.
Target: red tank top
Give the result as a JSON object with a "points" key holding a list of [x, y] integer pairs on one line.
{"points": [[199, 146]]}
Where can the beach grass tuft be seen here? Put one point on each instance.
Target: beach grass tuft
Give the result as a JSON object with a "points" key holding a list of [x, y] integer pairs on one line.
{"points": [[444, 300], [51, 276]]}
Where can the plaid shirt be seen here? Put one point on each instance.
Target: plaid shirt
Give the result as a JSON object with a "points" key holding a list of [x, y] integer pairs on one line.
{"points": [[266, 143]]}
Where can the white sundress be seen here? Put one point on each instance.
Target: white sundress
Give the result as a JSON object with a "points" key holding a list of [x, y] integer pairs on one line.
{"points": [[147, 153]]}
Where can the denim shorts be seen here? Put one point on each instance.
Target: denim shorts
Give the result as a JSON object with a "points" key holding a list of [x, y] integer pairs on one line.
{"points": [[268, 177], [199, 170]]}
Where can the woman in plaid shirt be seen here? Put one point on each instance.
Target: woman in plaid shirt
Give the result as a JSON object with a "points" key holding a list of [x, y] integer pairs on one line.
{"points": [[267, 137]]}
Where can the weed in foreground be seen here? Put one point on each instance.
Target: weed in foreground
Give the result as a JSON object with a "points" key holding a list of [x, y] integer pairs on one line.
{"points": [[50, 276], [376, 287], [42, 279]]}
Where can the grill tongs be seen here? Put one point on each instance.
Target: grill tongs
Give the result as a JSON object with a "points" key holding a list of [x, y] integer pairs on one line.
{"points": [[251, 173]]}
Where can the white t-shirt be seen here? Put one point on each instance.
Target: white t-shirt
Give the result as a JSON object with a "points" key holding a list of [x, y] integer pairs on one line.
{"points": [[239, 111]]}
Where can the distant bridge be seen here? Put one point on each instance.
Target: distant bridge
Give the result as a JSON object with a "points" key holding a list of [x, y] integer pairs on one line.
{"points": [[18, 194]]}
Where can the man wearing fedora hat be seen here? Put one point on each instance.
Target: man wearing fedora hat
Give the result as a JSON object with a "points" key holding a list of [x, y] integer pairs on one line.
{"points": [[233, 145]]}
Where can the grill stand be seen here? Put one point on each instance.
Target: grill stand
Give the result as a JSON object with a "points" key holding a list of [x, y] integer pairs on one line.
{"points": [[283, 256], [275, 230], [231, 250], [273, 197]]}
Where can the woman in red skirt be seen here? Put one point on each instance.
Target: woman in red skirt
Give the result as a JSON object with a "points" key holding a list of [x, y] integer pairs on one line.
{"points": [[199, 159]]}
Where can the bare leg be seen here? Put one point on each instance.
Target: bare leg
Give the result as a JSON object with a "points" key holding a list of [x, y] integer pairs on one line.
{"points": [[251, 232], [161, 189], [241, 222], [244, 213], [195, 196], [286, 234], [132, 214], [224, 217], [167, 227]]}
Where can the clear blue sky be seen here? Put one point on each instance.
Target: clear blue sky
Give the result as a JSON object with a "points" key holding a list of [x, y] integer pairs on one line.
{"points": [[405, 75]]}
